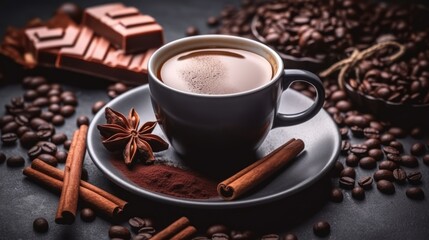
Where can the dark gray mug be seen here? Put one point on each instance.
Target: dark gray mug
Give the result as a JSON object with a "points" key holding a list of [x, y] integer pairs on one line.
{"points": [[211, 126]]}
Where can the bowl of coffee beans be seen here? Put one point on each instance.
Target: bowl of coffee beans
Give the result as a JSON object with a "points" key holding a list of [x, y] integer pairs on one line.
{"points": [[398, 91]]}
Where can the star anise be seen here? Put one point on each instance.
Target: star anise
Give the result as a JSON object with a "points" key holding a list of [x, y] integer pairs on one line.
{"points": [[122, 134]]}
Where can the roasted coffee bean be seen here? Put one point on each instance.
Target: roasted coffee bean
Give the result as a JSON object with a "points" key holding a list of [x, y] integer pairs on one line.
{"points": [[2, 157], [28, 139], [290, 236], [348, 172], [67, 110], [358, 193], [397, 132], [21, 130], [414, 177], [385, 187], [36, 122], [41, 102], [21, 120], [82, 120], [388, 165], [220, 236], [49, 159], [271, 237], [212, 21], [87, 215], [409, 161], [336, 195], [393, 157], [112, 94], [192, 31], [69, 100], [67, 144], [391, 150], [84, 175], [417, 132], [352, 160], [54, 108], [61, 156], [97, 106], [365, 182], [58, 120], [136, 223], [321, 228], [426, 159], [347, 182], [372, 143], [47, 116], [397, 145], [34, 151], [118, 231], [418, 149], [399, 175], [338, 95], [40, 225], [356, 120], [387, 138], [344, 132], [371, 133], [367, 163], [9, 138], [32, 111], [43, 89], [30, 95], [218, 228], [383, 174], [15, 161], [345, 146], [6, 119], [54, 100], [58, 138], [147, 236], [48, 147], [415, 193], [343, 105], [357, 131], [241, 235], [338, 167], [376, 153], [359, 149], [10, 127]]}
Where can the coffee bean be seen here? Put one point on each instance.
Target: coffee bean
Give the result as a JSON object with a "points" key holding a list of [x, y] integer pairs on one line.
{"points": [[6, 119], [48, 147], [290, 236], [399, 175], [357, 131], [192, 31], [32, 111], [118, 231], [426, 159], [9, 138], [418, 149], [36, 122], [343, 105], [367, 163], [415, 193], [376, 153], [414, 177], [54, 99], [348, 172], [28, 139], [338, 95], [359, 149], [336, 195], [397, 132], [40, 225], [386, 187], [409, 161], [87, 214], [30, 95], [58, 138], [321, 228], [10, 127], [417, 132], [34, 151], [2, 157], [391, 150], [220, 236], [67, 110], [218, 228], [352, 160], [338, 167], [21, 120], [387, 138], [147, 236], [43, 89], [82, 120], [45, 131], [148, 228], [58, 120], [67, 144], [388, 165], [383, 174], [358, 193], [136, 223], [365, 182], [345, 146], [372, 143], [347, 182], [397, 145], [270, 237], [54, 108], [41, 102], [46, 115], [61, 156], [394, 157], [15, 161], [49, 159], [21, 130], [97, 106], [371, 133]]}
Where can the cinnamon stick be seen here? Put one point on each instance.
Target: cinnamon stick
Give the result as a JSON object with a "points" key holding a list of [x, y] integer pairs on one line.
{"points": [[58, 174], [180, 229], [96, 201], [249, 177], [67, 206]]}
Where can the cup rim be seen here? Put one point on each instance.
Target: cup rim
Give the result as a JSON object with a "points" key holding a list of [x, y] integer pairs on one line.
{"points": [[217, 37]]}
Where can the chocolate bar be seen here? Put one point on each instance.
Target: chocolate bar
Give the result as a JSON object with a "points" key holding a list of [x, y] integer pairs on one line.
{"points": [[125, 27], [79, 49]]}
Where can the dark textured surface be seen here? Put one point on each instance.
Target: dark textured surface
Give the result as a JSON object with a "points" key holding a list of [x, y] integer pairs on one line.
{"points": [[378, 216]]}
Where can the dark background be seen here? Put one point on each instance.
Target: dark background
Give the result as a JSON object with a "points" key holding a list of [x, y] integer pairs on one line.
{"points": [[21, 201]]}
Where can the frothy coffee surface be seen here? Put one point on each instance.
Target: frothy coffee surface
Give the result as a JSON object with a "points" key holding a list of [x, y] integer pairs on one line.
{"points": [[216, 71]]}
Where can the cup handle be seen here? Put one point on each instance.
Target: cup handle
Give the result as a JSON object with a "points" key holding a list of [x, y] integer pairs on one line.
{"points": [[291, 76]]}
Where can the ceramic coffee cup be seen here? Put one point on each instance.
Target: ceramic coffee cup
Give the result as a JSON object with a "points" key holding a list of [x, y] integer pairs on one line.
{"points": [[207, 125]]}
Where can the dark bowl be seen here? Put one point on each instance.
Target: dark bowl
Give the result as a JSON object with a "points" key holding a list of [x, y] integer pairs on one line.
{"points": [[396, 113]]}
